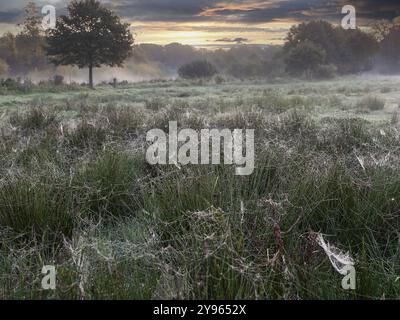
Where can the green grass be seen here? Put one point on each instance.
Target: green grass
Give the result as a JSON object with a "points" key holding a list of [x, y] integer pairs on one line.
{"points": [[39, 210], [77, 192]]}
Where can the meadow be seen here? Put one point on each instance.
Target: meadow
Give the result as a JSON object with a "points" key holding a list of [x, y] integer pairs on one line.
{"points": [[76, 191]]}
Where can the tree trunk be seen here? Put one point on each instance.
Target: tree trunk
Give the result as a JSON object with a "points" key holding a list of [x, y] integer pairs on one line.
{"points": [[91, 76]]}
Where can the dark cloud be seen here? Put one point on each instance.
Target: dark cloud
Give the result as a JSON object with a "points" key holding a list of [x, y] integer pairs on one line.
{"points": [[376, 9], [161, 10], [252, 11], [277, 10], [9, 16], [244, 11], [233, 40]]}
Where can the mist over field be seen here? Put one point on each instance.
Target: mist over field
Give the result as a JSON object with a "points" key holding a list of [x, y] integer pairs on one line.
{"points": [[200, 150]]}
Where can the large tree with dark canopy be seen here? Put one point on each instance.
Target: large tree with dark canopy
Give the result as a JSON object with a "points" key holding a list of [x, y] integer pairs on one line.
{"points": [[390, 49], [350, 51], [88, 37], [305, 58]]}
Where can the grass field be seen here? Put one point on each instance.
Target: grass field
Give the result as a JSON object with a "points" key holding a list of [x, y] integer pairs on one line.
{"points": [[76, 192]]}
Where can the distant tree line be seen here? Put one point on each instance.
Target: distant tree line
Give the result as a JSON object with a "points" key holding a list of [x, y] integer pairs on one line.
{"points": [[241, 61], [315, 49]]}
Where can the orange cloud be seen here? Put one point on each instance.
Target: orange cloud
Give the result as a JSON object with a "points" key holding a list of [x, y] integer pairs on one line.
{"points": [[202, 34]]}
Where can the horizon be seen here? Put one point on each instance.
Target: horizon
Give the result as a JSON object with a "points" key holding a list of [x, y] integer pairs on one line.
{"points": [[216, 24]]}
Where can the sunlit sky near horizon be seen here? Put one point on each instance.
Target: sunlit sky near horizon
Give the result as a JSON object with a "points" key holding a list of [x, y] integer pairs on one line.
{"points": [[214, 23]]}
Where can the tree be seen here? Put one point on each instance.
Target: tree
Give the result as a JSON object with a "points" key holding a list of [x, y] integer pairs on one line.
{"points": [[8, 50], [381, 28], [358, 50], [30, 42], [349, 50], [32, 21], [3, 67], [319, 32], [197, 69], [390, 48], [304, 58], [25, 51], [89, 37]]}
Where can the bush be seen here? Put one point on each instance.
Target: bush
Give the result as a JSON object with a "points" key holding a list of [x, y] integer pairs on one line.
{"points": [[36, 119], [395, 118], [109, 186], [3, 67], [10, 84], [325, 71], [155, 104], [40, 210], [86, 136], [197, 69], [219, 79], [305, 58], [123, 122], [58, 80], [372, 103]]}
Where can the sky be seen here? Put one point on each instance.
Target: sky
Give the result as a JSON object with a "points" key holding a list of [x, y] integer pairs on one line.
{"points": [[217, 23]]}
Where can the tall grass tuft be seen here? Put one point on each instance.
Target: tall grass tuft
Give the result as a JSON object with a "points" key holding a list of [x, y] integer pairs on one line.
{"points": [[40, 210], [109, 186], [371, 103]]}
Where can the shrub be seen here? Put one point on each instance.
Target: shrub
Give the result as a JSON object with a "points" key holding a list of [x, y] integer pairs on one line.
{"points": [[11, 84], [219, 79], [38, 210], [344, 135], [58, 80], [395, 118], [3, 66], [371, 103], [325, 71], [305, 58], [197, 69], [155, 104], [123, 121], [109, 185], [86, 136], [35, 119]]}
